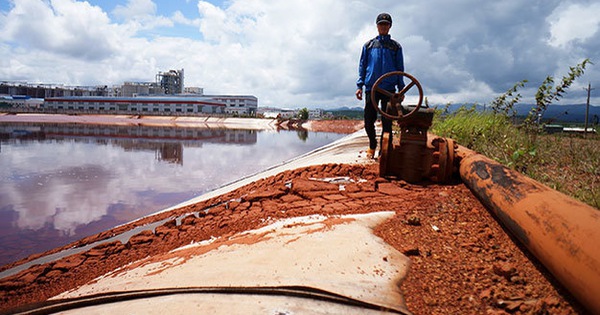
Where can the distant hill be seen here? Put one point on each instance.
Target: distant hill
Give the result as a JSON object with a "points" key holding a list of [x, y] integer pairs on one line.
{"points": [[554, 113], [347, 112]]}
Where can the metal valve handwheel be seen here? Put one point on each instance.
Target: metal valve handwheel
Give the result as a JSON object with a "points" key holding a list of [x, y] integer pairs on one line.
{"points": [[396, 98]]}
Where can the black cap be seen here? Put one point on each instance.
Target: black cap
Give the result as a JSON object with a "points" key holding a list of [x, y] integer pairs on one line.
{"points": [[384, 18]]}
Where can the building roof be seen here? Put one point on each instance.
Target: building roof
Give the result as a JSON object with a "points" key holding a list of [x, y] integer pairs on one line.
{"points": [[140, 99]]}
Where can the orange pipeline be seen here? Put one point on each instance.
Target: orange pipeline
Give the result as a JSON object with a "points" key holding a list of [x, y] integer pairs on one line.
{"points": [[562, 233]]}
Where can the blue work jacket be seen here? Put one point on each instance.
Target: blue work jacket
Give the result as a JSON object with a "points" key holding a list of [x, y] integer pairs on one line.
{"points": [[379, 56]]}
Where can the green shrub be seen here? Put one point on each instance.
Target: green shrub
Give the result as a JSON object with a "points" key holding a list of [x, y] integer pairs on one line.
{"points": [[490, 134], [570, 164]]}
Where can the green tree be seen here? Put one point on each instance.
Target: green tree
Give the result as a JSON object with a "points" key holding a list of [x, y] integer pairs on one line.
{"points": [[548, 92], [505, 103], [303, 114]]}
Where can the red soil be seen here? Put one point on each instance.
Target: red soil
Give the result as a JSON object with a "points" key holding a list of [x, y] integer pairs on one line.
{"points": [[463, 261], [338, 126]]}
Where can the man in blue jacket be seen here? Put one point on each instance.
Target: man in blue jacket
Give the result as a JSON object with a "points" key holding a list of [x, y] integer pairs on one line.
{"points": [[379, 56]]}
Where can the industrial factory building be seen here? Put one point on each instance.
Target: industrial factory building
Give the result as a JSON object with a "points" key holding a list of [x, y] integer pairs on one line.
{"points": [[139, 105], [237, 104], [7, 101], [166, 95]]}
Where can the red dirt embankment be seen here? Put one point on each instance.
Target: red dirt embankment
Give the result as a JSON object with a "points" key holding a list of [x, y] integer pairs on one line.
{"points": [[337, 126], [463, 261]]}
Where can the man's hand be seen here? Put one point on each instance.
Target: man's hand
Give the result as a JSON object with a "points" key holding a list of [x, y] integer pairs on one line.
{"points": [[359, 93]]}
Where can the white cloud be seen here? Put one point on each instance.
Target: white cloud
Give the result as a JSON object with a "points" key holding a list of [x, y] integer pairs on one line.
{"points": [[574, 22], [213, 23], [65, 27], [135, 9], [179, 18], [290, 54], [140, 15]]}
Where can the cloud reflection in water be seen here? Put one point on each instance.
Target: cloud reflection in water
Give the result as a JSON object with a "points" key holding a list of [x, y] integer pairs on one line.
{"points": [[70, 181]]}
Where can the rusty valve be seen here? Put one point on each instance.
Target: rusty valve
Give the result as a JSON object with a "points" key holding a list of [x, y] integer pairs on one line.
{"points": [[415, 155], [394, 108]]}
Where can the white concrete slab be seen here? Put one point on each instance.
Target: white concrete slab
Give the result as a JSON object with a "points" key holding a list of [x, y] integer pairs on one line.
{"points": [[335, 254], [225, 304]]}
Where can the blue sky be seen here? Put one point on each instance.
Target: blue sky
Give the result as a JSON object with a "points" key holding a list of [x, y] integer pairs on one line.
{"points": [[164, 8], [298, 53]]}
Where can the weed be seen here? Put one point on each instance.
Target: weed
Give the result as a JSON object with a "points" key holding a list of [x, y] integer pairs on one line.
{"points": [[567, 163]]}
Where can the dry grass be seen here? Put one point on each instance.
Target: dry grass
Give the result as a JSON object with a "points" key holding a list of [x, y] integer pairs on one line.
{"points": [[570, 164]]}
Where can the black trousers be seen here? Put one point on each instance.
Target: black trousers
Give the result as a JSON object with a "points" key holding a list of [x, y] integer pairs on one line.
{"points": [[371, 117]]}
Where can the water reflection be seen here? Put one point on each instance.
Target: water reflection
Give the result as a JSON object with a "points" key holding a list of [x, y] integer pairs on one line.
{"points": [[302, 135], [167, 142], [59, 183]]}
